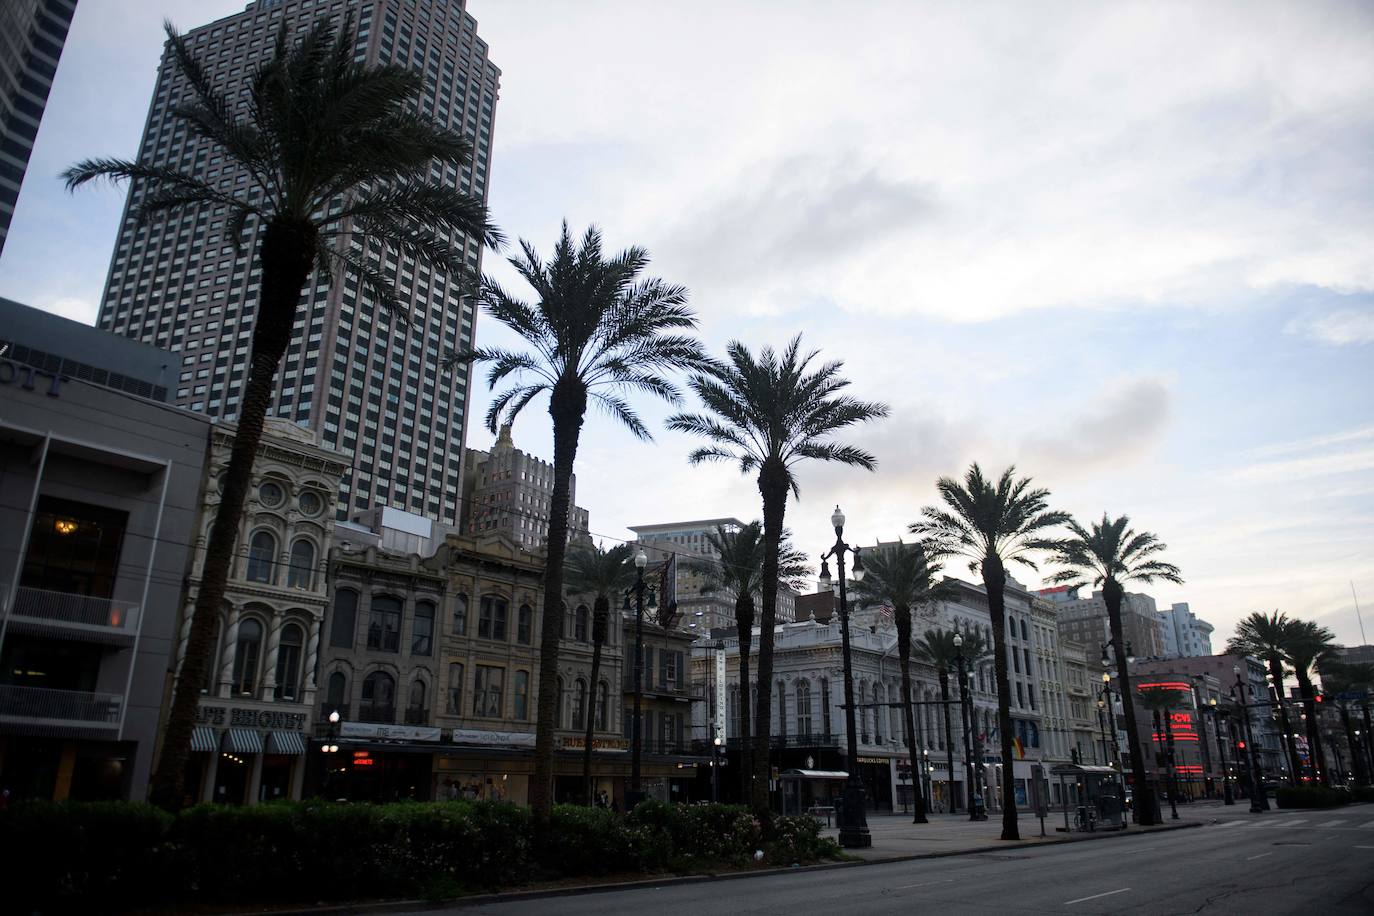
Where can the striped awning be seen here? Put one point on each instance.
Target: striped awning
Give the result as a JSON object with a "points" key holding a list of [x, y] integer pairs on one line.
{"points": [[242, 741], [204, 740], [285, 743]]}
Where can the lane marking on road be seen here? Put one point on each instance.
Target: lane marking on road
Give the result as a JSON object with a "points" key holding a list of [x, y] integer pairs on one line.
{"points": [[1367, 826], [1364, 847], [1331, 825], [1231, 824], [1301, 820], [923, 884], [1260, 856], [1095, 896]]}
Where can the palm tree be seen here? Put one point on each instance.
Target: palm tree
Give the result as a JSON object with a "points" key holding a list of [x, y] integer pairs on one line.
{"points": [[1266, 637], [936, 648], [596, 332], [1110, 555], [324, 154], [1308, 646], [993, 524], [738, 568], [1338, 680], [767, 413], [1161, 701], [903, 577], [592, 570]]}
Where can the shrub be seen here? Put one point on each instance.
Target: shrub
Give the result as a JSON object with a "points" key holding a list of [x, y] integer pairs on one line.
{"points": [[1310, 797], [798, 839], [1364, 793]]}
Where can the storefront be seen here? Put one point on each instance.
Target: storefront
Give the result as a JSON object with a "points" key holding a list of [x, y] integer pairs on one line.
{"points": [[245, 754]]}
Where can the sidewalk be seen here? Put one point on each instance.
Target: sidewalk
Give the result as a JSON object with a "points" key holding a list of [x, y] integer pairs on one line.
{"points": [[896, 837]]}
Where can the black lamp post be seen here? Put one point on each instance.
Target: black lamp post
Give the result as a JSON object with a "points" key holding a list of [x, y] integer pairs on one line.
{"points": [[1223, 729], [715, 767], [1259, 800], [1166, 738], [975, 808], [1104, 710], [635, 794], [329, 749], [1199, 708], [854, 828]]}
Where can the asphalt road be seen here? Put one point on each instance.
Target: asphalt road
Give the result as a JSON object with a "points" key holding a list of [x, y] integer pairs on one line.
{"points": [[1299, 862]]}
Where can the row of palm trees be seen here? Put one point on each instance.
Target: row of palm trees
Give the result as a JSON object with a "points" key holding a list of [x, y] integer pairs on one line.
{"points": [[1289, 646]]}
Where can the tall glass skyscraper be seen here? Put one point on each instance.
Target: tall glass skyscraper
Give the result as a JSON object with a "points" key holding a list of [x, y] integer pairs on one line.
{"points": [[32, 33], [372, 386]]}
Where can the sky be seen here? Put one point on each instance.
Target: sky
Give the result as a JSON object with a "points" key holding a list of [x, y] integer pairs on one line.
{"points": [[1125, 247]]}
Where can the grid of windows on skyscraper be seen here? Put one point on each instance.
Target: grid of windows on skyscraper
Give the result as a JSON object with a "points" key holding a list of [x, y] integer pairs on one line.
{"points": [[370, 384]]}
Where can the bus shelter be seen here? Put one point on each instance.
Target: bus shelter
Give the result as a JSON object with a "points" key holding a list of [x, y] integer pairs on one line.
{"points": [[1101, 799]]}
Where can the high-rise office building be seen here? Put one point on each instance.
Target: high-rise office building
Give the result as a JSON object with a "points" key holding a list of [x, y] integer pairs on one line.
{"points": [[32, 33], [509, 491], [372, 386]]}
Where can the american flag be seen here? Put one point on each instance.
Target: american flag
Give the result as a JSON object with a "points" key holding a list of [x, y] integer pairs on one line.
{"points": [[886, 612]]}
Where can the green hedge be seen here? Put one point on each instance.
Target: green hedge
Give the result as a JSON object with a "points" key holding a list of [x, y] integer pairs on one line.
{"points": [[114, 855], [1310, 797]]}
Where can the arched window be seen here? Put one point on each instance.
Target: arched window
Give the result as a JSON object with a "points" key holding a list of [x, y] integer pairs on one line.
{"points": [[422, 629], [345, 622], [580, 623], [246, 653], [379, 698], [878, 697], [289, 662], [1025, 633], [262, 558], [301, 573], [524, 625], [416, 713], [384, 624], [825, 707], [579, 704], [804, 708], [603, 706], [337, 690], [460, 614]]}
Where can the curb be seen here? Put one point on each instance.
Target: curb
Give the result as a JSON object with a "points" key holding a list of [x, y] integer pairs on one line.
{"points": [[393, 906]]}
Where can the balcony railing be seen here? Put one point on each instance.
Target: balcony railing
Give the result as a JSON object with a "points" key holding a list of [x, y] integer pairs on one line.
{"points": [[815, 739], [42, 710], [659, 688], [100, 619], [380, 713]]}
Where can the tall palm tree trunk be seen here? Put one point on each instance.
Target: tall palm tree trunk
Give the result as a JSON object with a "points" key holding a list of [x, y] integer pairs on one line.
{"points": [[1368, 741], [567, 407], [995, 582], [601, 616], [1290, 743], [744, 623], [1112, 593], [949, 742], [773, 489], [1313, 729], [904, 661], [288, 253]]}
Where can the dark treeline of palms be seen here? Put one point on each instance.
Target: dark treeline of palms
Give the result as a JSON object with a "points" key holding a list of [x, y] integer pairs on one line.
{"points": [[766, 414], [1266, 637], [993, 523], [1111, 554], [903, 578], [738, 569], [936, 648], [322, 152], [1339, 681], [601, 573], [596, 331], [1309, 645]]}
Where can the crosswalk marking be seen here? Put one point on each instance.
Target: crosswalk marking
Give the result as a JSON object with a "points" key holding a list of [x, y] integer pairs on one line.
{"points": [[1367, 826], [1301, 820], [1331, 825]]}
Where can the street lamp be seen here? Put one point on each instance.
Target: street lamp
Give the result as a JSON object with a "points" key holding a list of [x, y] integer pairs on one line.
{"points": [[854, 828], [1259, 801], [975, 807], [1227, 796], [636, 734], [715, 766], [1104, 712]]}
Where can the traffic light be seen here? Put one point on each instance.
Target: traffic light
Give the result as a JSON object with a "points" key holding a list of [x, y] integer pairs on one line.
{"points": [[1241, 745], [1320, 698]]}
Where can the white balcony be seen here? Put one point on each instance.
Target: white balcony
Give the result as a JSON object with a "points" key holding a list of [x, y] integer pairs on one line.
{"points": [[66, 713], [69, 616]]}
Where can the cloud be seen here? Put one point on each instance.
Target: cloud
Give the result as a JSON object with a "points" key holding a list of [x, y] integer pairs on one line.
{"points": [[1120, 427], [1340, 327]]}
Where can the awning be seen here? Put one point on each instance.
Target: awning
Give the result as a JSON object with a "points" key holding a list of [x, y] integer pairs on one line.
{"points": [[814, 774], [285, 743], [204, 740], [242, 741]]}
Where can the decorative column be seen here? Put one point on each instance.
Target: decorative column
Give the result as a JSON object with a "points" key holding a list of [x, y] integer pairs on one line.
{"points": [[269, 674], [185, 639], [312, 654], [231, 644]]}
